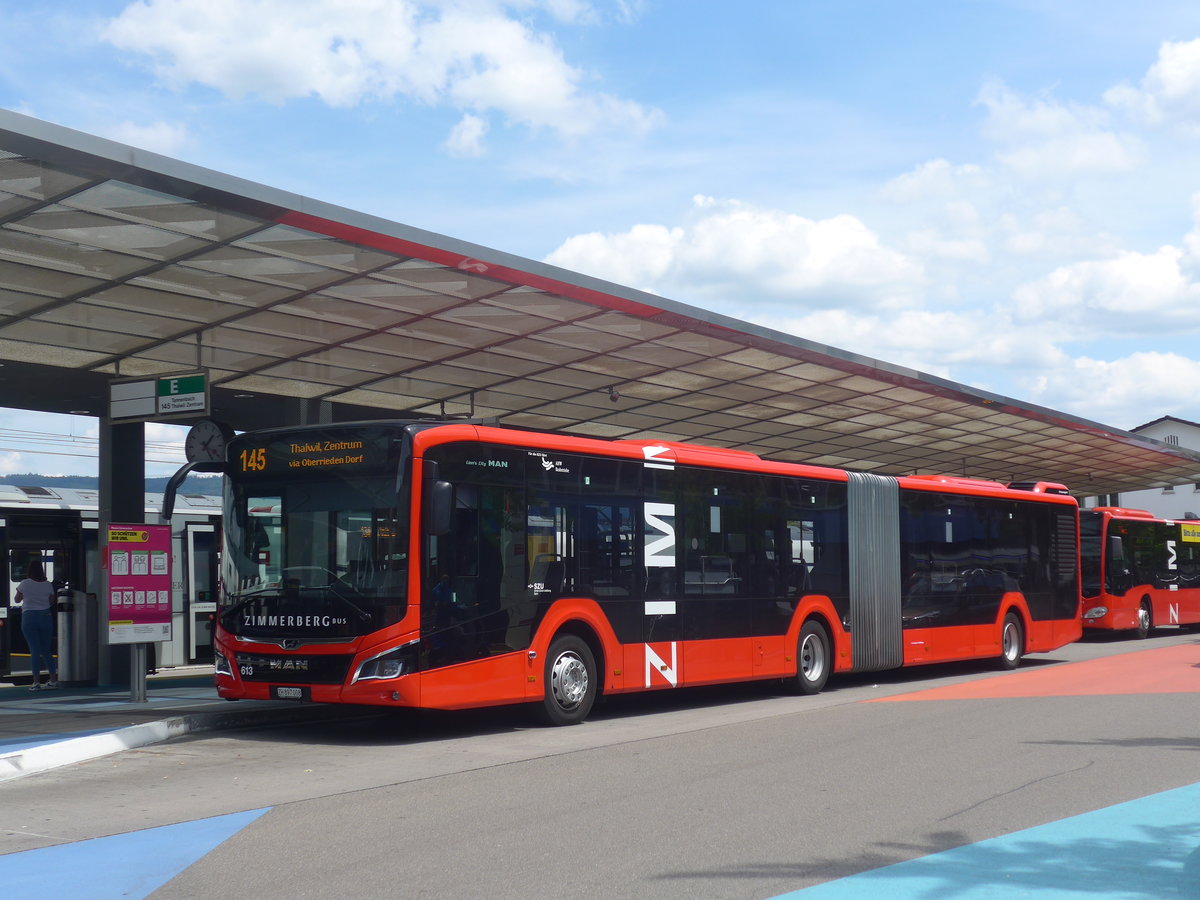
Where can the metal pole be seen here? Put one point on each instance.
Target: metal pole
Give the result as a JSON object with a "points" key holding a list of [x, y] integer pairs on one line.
{"points": [[137, 674]]}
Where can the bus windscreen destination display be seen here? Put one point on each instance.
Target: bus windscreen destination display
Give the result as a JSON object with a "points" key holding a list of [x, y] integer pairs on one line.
{"points": [[313, 452]]}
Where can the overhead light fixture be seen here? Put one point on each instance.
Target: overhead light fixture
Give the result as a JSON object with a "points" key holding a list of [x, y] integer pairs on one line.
{"points": [[613, 394]]}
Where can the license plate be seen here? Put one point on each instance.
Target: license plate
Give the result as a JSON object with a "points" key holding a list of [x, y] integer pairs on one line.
{"points": [[286, 692]]}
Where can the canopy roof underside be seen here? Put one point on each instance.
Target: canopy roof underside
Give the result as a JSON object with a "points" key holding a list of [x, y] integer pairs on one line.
{"points": [[117, 262]]}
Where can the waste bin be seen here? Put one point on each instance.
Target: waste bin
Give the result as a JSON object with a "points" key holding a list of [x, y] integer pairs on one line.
{"points": [[78, 659]]}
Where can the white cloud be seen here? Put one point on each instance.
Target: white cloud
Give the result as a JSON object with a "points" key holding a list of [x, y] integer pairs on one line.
{"points": [[471, 56], [1124, 392], [740, 254], [930, 340], [933, 243], [466, 138], [1170, 90], [1046, 139], [14, 463], [1129, 293], [935, 179]]}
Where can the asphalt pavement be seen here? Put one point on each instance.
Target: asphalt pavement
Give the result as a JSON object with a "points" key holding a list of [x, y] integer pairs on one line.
{"points": [[45, 729]]}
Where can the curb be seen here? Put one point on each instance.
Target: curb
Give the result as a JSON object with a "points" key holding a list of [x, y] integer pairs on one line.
{"points": [[44, 757]]}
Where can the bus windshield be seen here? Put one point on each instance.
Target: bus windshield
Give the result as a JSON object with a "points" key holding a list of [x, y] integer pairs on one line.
{"points": [[317, 559]]}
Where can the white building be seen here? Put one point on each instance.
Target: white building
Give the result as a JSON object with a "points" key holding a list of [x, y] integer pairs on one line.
{"points": [[1179, 502]]}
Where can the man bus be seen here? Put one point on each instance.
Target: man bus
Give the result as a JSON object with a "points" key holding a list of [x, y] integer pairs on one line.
{"points": [[453, 565]]}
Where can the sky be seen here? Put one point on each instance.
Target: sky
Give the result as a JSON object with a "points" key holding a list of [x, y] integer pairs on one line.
{"points": [[1005, 193]]}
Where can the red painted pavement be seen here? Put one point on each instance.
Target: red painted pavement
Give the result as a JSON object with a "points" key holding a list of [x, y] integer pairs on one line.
{"points": [[1167, 670]]}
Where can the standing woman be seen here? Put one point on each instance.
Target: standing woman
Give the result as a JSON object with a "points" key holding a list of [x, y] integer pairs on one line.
{"points": [[36, 596]]}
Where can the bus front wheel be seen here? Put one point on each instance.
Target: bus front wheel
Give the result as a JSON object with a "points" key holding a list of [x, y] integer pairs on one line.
{"points": [[1012, 642], [1145, 620], [571, 682]]}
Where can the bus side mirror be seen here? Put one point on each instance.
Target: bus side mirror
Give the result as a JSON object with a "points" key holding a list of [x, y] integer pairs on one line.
{"points": [[1116, 550], [439, 506]]}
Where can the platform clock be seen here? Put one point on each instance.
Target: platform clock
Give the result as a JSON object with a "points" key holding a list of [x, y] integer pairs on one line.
{"points": [[206, 441]]}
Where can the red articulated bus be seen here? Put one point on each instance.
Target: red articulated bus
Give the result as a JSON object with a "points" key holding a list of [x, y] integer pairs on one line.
{"points": [[1139, 571], [452, 565]]}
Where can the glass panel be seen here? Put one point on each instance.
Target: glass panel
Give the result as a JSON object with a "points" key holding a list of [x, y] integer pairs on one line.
{"points": [[155, 208], [456, 282], [93, 230], [338, 309], [283, 240], [88, 315], [73, 336], [300, 327], [180, 306], [403, 346], [43, 281], [305, 371], [259, 342], [264, 267], [61, 255], [394, 297], [450, 333], [183, 280], [33, 179], [12, 206], [15, 304], [482, 315]]}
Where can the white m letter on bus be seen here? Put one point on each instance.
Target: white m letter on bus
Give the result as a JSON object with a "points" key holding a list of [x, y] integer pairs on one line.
{"points": [[660, 548]]}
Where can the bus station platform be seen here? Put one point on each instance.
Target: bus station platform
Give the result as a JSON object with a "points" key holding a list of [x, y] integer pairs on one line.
{"points": [[42, 730]]}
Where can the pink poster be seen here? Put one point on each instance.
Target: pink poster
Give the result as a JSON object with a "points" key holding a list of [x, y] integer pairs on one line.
{"points": [[138, 558]]}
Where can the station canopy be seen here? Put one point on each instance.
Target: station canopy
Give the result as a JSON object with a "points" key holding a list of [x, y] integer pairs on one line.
{"points": [[115, 262]]}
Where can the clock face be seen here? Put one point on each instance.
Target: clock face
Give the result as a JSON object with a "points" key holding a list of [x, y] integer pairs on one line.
{"points": [[206, 441]]}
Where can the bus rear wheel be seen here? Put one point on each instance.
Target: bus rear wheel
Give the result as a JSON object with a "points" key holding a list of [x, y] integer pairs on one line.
{"points": [[814, 659], [1012, 642], [570, 681], [1145, 620]]}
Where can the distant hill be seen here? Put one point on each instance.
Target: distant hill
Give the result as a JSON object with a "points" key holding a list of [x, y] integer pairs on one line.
{"points": [[194, 484]]}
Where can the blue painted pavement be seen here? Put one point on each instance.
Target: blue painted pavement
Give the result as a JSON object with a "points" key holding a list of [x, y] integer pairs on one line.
{"points": [[119, 866], [1146, 848]]}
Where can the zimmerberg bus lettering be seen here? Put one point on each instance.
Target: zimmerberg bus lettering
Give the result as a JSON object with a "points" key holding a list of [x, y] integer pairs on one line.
{"points": [[249, 620]]}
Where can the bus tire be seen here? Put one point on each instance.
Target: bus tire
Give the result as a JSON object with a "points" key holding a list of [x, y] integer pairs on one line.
{"points": [[1145, 620], [814, 659], [570, 679], [1012, 642]]}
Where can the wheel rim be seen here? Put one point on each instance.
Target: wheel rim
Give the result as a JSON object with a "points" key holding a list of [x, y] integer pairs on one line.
{"points": [[569, 680], [1143, 618], [1012, 640], [812, 657]]}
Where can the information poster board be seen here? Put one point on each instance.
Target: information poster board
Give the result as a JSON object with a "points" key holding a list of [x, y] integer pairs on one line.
{"points": [[139, 583]]}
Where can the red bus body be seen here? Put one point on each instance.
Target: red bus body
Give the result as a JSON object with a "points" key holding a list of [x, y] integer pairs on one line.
{"points": [[657, 564], [1139, 571]]}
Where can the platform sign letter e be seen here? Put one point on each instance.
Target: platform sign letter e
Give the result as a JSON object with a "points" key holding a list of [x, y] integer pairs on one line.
{"points": [[182, 393]]}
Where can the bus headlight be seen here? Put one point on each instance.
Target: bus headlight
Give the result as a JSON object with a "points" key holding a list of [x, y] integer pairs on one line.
{"points": [[389, 664], [221, 664], [1096, 612]]}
